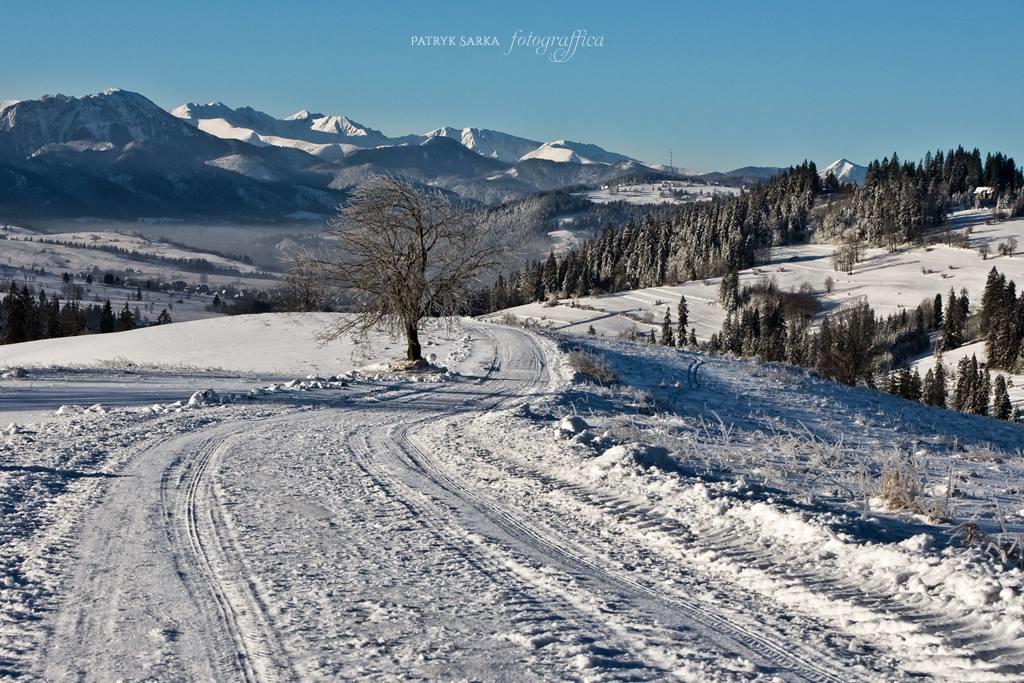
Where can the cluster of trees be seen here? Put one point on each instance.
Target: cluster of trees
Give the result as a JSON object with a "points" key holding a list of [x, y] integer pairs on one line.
{"points": [[896, 204], [850, 346], [1001, 320], [974, 390], [899, 201], [953, 322], [27, 316], [697, 240], [676, 334]]}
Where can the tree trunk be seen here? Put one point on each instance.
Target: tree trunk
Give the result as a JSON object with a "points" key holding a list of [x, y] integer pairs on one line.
{"points": [[412, 334]]}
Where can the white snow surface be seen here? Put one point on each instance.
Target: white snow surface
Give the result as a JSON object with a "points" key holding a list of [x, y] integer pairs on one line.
{"points": [[276, 344], [498, 519], [568, 151]]}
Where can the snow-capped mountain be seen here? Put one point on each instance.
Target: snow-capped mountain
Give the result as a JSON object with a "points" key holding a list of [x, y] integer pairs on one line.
{"points": [[334, 136], [6, 103], [845, 171], [489, 143], [567, 151], [115, 116], [117, 154], [330, 137]]}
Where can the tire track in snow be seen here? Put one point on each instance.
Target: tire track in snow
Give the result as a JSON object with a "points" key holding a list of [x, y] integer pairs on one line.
{"points": [[759, 645], [961, 640], [254, 646]]}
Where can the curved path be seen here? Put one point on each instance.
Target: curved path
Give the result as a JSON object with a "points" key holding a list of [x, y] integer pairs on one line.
{"points": [[330, 543]]}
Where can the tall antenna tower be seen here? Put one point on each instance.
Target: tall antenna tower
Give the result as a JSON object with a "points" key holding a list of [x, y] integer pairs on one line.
{"points": [[671, 166]]}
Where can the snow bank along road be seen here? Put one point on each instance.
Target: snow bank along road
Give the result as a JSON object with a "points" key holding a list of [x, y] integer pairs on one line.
{"points": [[401, 529]]}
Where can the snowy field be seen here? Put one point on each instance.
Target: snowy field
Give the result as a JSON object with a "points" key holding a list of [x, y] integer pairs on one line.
{"points": [[703, 519], [133, 243], [25, 259], [161, 362], [668, 192]]}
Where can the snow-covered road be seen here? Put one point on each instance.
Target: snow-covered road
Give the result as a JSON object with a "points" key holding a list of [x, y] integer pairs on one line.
{"points": [[400, 531]]}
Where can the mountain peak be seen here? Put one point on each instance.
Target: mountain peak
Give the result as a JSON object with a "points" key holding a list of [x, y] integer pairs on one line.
{"points": [[845, 171], [303, 115]]}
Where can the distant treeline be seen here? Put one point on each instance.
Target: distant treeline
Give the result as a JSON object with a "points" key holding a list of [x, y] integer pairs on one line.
{"points": [[193, 265], [27, 316], [693, 241], [897, 204]]}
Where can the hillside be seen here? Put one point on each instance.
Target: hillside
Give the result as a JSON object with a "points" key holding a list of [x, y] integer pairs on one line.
{"points": [[890, 282], [702, 517]]}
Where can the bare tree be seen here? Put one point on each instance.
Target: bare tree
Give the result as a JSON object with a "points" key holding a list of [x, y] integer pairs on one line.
{"points": [[302, 288], [399, 253]]}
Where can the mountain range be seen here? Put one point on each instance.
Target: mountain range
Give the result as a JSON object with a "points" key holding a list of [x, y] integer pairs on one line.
{"points": [[116, 154], [333, 137]]}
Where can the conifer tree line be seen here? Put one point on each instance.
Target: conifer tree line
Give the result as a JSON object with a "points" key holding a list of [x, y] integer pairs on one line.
{"points": [[1001, 322], [852, 345], [27, 316], [971, 391], [899, 201], [699, 240], [856, 347], [896, 204]]}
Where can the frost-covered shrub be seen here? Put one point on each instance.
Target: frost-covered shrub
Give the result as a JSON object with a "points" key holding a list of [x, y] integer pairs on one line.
{"points": [[592, 366], [900, 487]]}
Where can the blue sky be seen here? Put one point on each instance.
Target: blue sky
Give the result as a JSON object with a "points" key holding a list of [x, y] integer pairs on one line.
{"points": [[722, 84]]}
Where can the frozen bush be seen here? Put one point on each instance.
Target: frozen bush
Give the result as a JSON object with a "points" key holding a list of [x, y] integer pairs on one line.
{"points": [[592, 366]]}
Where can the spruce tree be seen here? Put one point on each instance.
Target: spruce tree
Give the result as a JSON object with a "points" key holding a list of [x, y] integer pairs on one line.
{"points": [[936, 395], [682, 318], [126, 319], [106, 318], [667, 338], [729, 291], [951, 328], [164, 318], [15, 329], [1001, 406], [983, 390], [915, 388]]}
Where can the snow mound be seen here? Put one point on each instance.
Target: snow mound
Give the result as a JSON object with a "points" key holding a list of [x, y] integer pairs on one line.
{"points": [[632, 455], [571, 425]]}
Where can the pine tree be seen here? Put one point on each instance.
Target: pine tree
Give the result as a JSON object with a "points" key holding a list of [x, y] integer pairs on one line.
{"points": [[164, 318], [729, 291], [682, 318], [693, 337], [15, 329], [667, 338], [1001, 406], [983, 390], [591, 331], [126, 319], [651, 339], [106, 318], [935, 385], [937, 312]]}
